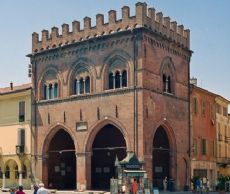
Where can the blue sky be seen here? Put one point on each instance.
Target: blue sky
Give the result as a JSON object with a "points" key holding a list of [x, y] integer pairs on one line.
{"points": [[208, 21]]}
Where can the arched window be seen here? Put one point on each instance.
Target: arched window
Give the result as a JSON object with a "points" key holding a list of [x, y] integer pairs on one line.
{"points": [[111, 86], [55, 90], [45, 92], [81, 86], [164, 82], [50, 91], [76, 87], [169, 84], [16, 172], [124, 78], [87, 84], [117, 80], [7, 173], [24, 171]]}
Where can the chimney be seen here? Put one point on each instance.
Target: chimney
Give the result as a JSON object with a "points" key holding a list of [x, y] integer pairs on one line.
{"points": [[11, 85], [193, 81]]}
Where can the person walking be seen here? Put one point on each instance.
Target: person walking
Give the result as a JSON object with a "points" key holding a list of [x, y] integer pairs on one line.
{"points": [[42, 189], [35, 189], [134, 186], [20, 190], [165, 183]]}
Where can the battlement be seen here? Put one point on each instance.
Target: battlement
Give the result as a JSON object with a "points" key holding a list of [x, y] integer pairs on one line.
{"points": [[145, 17]]}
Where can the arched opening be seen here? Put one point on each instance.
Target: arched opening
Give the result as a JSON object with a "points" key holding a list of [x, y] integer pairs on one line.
{"points": [[108, 144], [111, 85], [161, 157], [62, 162], [87, 84]]}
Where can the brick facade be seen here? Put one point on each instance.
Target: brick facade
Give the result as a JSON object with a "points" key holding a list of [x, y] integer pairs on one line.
{"points": [[155, 56]]}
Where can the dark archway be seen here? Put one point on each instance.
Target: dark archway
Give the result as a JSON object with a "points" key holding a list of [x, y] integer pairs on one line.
{"points": [[161, 157], [62, 162], [108, 143]]}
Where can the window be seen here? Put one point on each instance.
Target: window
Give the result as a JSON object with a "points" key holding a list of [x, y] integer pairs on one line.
{"points": [[117, 80], [203, 146], [167, 84], [21, 111], [81, 86], [203, 107], [21, 137], [225, 111], [194, 105], [87, 84], [24, 171], [55, 90], [7, 173], [194, 147], [124, 79], [111, 85]]}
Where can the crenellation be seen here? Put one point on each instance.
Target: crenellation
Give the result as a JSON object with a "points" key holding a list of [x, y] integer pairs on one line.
{"points": [[151, 15], [87, 23], [125, 13], [45, 35], [76, 26], [112, 16], [141, 13], [65, 30], [99, 20], [144, 17]]}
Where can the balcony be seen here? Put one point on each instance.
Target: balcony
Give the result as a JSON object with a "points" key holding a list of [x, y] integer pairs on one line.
{"points": [[20, 149]]}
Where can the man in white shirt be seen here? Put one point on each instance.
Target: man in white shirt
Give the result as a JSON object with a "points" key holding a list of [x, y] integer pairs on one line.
{"points": [[42, 189]]}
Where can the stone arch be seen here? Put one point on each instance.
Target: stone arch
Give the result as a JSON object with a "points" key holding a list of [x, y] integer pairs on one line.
{"points": [[171, 151], [13, 161], [169, 131], [98, 126], [49, 68], [81, 64], [54, 154], [168, 69], [113, 59], [50, 134]]}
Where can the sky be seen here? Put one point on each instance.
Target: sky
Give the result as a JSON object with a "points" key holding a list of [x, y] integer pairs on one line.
{"points": [[208, 21]]}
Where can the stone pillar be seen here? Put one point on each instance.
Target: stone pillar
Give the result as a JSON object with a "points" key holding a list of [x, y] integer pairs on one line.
{"points": [[120, 80], [20, 178], [82, 168], [3, 180]]}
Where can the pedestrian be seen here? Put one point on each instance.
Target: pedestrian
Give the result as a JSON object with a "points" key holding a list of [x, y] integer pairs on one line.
{"points": [[197, 184], [123, 188], [208, 186], [42, 189], [12, 191], [134, 186], [20, 190], [165, 183], [35, 189]]}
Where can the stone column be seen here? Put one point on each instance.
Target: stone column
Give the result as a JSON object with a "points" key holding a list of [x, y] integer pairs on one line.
{"points": [[3, 180], [20, 178], [82, 168], [120, 80]]}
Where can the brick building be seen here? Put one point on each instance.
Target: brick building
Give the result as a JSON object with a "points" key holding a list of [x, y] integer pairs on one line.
{"points": [[203, 128], [108, 90]]}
